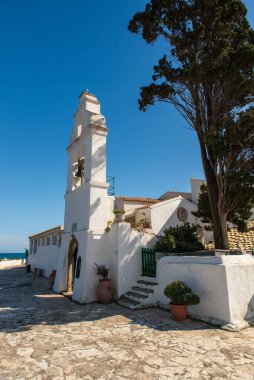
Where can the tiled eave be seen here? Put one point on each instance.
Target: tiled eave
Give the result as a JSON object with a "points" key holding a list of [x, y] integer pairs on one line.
{"points": [[50, 230]]}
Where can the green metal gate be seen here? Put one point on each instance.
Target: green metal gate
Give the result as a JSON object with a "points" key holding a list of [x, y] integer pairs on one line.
{"points": [[148, 262]]}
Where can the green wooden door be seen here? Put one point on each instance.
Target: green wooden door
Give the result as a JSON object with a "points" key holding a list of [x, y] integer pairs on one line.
{"points": [[148, 262]]}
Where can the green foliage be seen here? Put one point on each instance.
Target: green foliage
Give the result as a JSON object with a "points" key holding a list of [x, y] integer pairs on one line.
{"points": [[208, 76], [179, 239], [204, 209], [166, 243], [109, 224], [181, 294], [211, 43], [243, 199], [117, 211]]}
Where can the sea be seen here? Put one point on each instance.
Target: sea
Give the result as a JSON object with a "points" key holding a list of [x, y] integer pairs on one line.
{"points": [[11, 256]]}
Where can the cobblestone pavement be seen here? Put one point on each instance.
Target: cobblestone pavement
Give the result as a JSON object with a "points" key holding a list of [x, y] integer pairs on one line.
{"points": [[46, 336]]}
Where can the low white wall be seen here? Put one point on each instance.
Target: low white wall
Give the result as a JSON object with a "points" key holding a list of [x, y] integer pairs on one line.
{"points": [[46, 258], [225, 285], [11, 263], [240, 279]]}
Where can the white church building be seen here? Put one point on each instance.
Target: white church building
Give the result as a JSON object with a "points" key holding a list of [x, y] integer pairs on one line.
{"points": [[90, 233], [93, 233]]}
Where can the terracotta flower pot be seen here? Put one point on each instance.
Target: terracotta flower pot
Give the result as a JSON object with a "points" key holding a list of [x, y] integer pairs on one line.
{"points": [[105, 290], [51, 279], [179, 312], [39, 272], [28, 268]]}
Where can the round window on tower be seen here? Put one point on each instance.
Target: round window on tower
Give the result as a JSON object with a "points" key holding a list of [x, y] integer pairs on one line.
{"points": [[182, 214]]}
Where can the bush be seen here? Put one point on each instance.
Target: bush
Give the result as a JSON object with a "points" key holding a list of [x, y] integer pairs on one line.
{"points": [[166, 243], [181, 294], [117, 211], [179, 239]]}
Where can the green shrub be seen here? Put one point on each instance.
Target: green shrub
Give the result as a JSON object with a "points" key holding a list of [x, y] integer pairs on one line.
{"points": [[181, 238], [166, 244], [181, 294], [117, 211]]}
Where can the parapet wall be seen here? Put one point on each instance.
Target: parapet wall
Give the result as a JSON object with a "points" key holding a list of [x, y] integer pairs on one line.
{"points": [[225, 286]]}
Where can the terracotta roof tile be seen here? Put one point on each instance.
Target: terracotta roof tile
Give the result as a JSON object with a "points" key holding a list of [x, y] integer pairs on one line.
{"points": [[234, 236], [139, 199], [159, 201], [174, 194]]}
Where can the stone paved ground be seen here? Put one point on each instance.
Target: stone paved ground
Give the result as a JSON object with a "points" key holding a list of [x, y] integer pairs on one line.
{"points": [[46, 336]]}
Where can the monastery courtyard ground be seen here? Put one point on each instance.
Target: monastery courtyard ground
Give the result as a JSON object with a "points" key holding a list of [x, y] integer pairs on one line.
{"points": [[46, 336]]}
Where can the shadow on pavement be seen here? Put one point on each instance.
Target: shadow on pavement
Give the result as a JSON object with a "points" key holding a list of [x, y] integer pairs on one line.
{"points": [[26, 301]]}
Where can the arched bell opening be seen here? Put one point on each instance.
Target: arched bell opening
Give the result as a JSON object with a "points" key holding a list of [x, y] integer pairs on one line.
{"points": [[72, 260]]}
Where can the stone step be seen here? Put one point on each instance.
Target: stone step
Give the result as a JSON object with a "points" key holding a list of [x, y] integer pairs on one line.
{"points": [[130, 304], [147, 283], [68, 294], [148, 279], [142, 290], [135, 296]]}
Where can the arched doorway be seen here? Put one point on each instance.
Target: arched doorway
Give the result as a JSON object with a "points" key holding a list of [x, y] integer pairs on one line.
{"points": [[72, 260]]}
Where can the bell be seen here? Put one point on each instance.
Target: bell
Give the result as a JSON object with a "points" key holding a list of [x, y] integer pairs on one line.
{"points": [[79, 171]]}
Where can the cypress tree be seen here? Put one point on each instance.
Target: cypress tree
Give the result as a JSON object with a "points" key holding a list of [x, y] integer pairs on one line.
{"points": [[208, 77]]}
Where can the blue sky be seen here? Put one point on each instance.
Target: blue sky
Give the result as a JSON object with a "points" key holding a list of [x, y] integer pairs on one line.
{"points": [[51, 50]]}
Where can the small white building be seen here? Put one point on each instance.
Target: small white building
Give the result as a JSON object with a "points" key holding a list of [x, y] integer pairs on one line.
{"points": [[44, 249]]}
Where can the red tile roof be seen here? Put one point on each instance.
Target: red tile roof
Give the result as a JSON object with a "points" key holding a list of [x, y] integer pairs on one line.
{"points": [[139, 199], [234, 236], [174, 194]]}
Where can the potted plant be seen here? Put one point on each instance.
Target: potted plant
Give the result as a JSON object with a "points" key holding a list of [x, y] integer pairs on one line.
{"points": [[119, 215], [104, 290], [109, 224], [180, 296]]}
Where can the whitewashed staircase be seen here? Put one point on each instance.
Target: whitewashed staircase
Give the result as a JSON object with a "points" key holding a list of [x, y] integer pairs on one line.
{"points": [[141, 294]]}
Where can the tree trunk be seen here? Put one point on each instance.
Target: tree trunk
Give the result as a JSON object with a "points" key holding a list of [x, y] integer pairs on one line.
{"points": [[219, 218], [224, 230]]}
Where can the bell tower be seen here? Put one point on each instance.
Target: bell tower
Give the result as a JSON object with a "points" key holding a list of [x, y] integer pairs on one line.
{"points": [[85, 217], [86, 182]]}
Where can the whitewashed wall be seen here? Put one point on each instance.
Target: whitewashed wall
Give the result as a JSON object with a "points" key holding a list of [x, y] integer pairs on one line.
{"points": [[110, 208], [142, 214], [125, 252], [46, 258], [195, 188], [119, 250], [128, 206], [225, 285], [240, 281], [85, 287], [164, 214], [60, 284]]}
